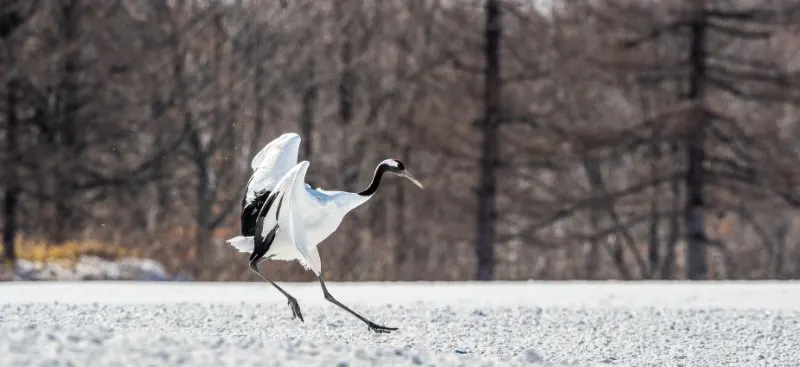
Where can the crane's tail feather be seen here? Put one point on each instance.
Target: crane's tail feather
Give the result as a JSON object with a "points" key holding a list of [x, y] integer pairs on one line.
{"points": [[242, 243]]}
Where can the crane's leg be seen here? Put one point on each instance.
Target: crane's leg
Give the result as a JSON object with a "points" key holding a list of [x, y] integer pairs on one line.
{"points": [[292, 301], [370, 325]]}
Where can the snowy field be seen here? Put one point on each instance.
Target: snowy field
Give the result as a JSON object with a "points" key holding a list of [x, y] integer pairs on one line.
{"points": [[442, 324]]}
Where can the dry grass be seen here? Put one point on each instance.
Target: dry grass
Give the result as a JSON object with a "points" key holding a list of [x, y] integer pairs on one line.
{"points": [[70, 252]]}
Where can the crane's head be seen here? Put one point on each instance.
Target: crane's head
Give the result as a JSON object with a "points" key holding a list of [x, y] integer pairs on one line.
{"points": [[396, 166]]}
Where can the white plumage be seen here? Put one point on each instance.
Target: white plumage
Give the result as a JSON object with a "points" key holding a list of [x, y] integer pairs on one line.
{"points": [[283, 218], [271, 164]]}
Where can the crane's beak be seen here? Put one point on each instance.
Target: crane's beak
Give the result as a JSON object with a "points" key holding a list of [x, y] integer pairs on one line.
{"points": [[411, 178]]}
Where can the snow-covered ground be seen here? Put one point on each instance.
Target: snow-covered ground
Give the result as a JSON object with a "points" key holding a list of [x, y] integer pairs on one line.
{"points": [[526, 323], [92, 268]]}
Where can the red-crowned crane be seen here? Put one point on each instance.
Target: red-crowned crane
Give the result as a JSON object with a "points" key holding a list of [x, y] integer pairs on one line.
{"points": [[283, 218]]}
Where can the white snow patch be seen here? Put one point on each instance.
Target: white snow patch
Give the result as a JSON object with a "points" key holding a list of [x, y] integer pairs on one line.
{"points": [[674, 294], [92, 268]]}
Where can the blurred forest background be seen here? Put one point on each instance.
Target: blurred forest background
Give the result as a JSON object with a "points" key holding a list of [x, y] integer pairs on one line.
{"points": [[607, 139]]}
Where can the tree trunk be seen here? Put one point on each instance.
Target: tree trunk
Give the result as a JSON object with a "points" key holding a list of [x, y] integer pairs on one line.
{"points": [[10, 225], [163, 196], [12, 187], [309, 101], [70, 98], [697, 268], [674, 228], [10, 20], [654, 238], [484, 247], [203, 209], [345, 91]]}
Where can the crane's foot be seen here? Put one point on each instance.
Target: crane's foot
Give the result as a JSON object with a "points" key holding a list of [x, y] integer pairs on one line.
{"points": [[295, 309], [379, 329]]}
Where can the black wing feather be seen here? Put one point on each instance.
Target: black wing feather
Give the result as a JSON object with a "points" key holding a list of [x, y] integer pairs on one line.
{"points": [[261, 243], [250, 212]]}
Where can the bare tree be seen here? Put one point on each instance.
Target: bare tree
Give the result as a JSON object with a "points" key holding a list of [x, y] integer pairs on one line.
{"points": [[607, 139], [487, 191], [12, 17]]}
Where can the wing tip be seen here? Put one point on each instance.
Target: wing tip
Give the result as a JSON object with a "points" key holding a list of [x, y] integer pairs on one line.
{"points": [[290, 139]]}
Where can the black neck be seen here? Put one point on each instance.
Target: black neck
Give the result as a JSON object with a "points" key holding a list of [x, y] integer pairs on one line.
{"points": [[376, 181]]}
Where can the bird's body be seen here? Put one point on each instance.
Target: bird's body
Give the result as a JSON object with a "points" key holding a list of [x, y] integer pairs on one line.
{"points": [[283, 218], [322, 213]]}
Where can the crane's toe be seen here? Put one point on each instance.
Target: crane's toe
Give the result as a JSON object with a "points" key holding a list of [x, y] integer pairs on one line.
{"points": [[295, 309], [379, 328]]}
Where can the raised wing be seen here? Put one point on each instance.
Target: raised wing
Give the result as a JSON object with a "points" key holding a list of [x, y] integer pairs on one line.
{"points": [[283, 212], [271, 164]]}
